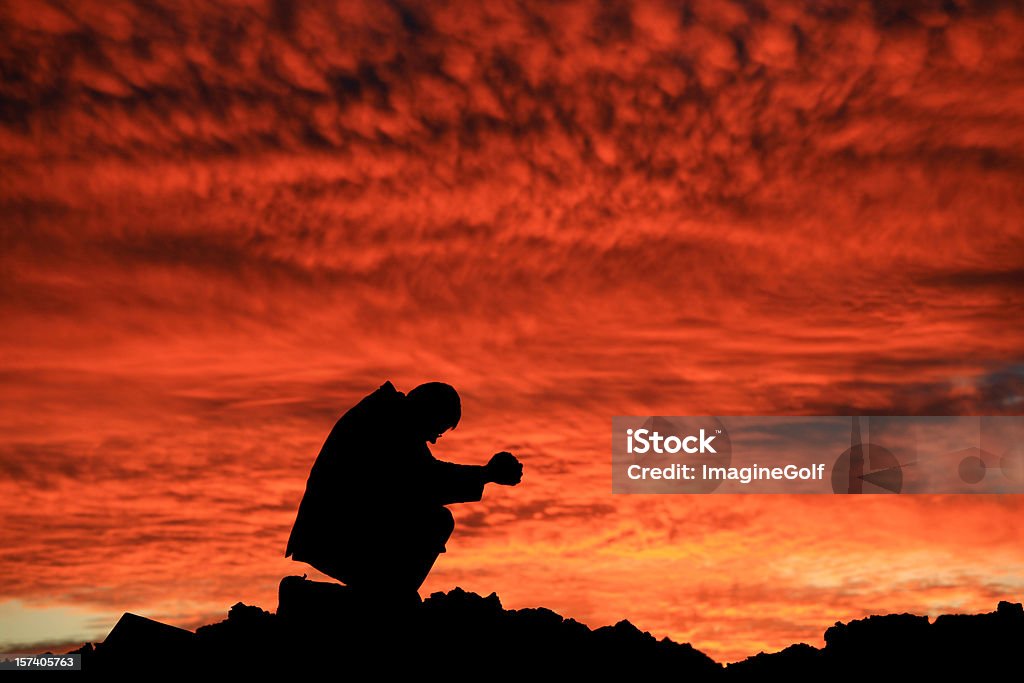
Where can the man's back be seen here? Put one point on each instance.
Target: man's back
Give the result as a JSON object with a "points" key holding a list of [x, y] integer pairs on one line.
{"points": [[342, 479]]}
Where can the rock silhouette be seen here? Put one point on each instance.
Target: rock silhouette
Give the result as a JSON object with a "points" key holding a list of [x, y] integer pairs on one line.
{"points": [[331, 628]]}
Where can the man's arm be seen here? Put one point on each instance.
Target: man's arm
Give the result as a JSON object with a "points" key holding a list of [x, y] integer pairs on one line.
{"points": [[453, 483]]}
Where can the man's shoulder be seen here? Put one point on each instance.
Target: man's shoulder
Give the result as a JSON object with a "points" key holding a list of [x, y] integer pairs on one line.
{"points": [[385, 393], [376, 405], [388, 389]]}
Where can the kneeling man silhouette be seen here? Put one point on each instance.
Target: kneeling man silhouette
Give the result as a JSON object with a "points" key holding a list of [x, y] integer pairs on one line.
{"points": [[373, 514]]}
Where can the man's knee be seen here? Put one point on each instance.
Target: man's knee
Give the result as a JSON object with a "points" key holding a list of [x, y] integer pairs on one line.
{"points": [[442, 524], [445, 522]]}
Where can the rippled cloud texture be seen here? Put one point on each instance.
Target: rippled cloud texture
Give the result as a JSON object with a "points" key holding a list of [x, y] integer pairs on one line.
{"points": [[224, 223]]}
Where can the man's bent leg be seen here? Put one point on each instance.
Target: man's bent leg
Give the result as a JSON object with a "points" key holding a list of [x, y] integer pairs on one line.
{"points": [[402, 562], [397, 563], [438, 526]]}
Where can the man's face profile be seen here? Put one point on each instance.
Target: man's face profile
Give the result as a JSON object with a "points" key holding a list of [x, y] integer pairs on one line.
{"points": [[435, 408], [435, 427]]}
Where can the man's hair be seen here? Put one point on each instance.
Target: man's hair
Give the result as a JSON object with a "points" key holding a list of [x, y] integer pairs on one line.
{"points": [[439, 403]]}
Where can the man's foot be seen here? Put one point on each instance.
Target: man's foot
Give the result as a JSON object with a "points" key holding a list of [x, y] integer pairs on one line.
{"points": [[298, 598]]}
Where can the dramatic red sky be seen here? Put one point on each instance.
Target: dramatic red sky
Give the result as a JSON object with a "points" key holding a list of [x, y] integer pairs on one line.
{"points": [[224, 223]]}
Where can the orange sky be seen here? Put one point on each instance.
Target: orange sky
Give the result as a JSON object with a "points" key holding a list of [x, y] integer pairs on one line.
{"points": [[223, 225]]}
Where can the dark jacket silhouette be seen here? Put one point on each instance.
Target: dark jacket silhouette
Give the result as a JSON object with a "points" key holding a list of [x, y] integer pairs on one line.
{"points": [[373, 514]]}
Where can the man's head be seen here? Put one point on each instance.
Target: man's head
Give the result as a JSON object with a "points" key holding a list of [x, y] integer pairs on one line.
{"points": [[436, 408]]}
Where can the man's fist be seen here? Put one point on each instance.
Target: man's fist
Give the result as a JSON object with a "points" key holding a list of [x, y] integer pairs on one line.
{"points": [[505, 468]]}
